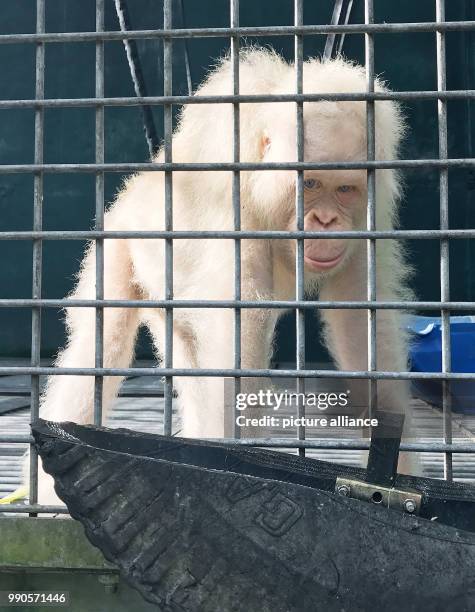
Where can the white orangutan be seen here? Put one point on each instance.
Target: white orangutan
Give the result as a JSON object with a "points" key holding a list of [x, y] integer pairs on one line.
{"points": [[335, 269]]}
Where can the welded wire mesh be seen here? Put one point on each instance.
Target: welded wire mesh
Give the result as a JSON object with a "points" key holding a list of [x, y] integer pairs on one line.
{"points": [[235, 32]]}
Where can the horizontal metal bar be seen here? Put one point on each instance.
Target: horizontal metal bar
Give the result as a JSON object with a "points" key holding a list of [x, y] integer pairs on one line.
{"points": [[231, 234], [460, 94], [33, 509], [230, 372], [18, 392], [323, 443], [338, 443], [358, 28], [467, 162], [309, 304]]}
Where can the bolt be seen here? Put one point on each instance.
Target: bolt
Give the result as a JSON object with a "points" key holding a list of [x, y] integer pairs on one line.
{"points": [[343, 490], [410, 506]]}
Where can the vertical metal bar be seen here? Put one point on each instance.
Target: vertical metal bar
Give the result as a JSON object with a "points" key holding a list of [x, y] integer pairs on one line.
{"points": [[168, 127], [300, 207], [236, 197], [99, 225], [371, 210], [37, 243], [468, 69], [444, 242]]}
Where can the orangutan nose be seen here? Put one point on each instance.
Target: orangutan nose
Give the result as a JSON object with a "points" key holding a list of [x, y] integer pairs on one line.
{"points": [[321, 219]]}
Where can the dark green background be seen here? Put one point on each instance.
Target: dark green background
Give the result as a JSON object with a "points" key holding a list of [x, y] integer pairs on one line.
{"points": [[407, 61]]}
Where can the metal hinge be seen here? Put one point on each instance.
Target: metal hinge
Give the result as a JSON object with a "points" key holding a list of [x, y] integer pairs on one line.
{"points": [[405, 500]]}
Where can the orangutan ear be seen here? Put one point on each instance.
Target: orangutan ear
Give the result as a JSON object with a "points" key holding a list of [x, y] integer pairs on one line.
{"points": [[264, 144]]}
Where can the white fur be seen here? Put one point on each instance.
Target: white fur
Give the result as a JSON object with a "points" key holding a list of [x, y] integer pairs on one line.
{"points": [[203, 269]]}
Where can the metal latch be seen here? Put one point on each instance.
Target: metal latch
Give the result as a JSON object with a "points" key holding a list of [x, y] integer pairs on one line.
{"points": [[405, 500]]}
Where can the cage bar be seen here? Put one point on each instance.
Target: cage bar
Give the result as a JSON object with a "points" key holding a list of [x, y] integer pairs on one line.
{"points": [[357, 28], [319, 443], [168, 130], [277, 304], [236, 200], [248, 234], [299, 215], [231, 372], [247, 98], [99, 223], [371, 211], [37, 246], [231, 166], [444, 242]]}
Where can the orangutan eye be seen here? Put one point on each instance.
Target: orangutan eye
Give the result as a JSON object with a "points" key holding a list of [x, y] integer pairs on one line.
{"points": [[346, 188], [311, 183]]}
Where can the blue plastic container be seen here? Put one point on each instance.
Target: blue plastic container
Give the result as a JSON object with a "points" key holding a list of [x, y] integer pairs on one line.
{"points": [[426, 356]]}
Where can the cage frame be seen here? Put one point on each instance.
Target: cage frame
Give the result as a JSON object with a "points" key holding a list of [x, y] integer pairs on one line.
{"points": [[234, 33]]}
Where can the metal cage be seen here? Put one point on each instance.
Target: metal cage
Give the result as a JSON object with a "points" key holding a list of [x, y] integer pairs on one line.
{"points": [[298, 31]]}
